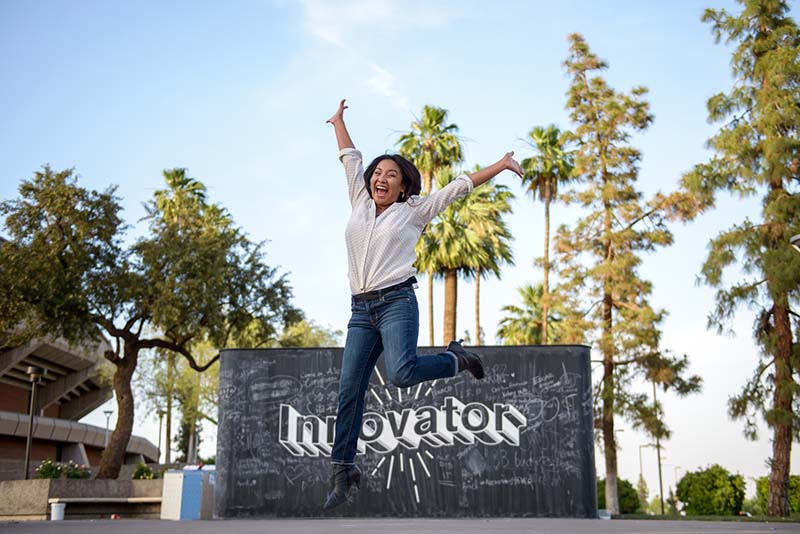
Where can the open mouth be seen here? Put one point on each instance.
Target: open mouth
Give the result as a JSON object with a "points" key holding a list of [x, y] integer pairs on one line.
{"points": [[381, 191]]}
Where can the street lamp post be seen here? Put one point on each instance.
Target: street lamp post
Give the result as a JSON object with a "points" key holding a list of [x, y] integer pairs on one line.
{"points": [[160, 419], [108, 416], [658, 452], [35, 374], [641, 472]]}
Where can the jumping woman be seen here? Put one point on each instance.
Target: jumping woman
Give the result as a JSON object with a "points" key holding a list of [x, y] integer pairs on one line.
{"points": [[386, 222]]}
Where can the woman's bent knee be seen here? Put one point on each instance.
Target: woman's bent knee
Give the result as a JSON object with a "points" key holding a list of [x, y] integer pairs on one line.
{"points": [[402, 379]]}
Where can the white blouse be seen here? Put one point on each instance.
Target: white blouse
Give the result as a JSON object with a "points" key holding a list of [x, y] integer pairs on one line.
{"points": [[380, 250]]}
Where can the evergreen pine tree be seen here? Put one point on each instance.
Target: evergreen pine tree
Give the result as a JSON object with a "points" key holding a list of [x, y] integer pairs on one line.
{"points": [[599, 257], [756, 152]]}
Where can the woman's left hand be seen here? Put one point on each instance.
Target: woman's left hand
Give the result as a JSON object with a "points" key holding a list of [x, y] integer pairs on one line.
{"points": [[511, 164]]}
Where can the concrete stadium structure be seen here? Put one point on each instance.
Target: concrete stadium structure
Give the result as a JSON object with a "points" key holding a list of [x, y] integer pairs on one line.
{"points": [[70, 390]]}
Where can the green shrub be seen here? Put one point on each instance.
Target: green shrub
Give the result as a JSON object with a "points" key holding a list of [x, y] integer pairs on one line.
{"points": [[712, 491], [73, 470], [49, 469], [752, 506], [762, 493], [629, 502], [143, 472]]}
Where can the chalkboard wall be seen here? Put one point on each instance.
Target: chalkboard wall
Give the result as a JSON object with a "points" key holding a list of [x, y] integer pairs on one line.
{"points": [[518, 443]]}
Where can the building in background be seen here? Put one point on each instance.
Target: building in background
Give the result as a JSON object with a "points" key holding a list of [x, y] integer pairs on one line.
{"points": [[70, 390]]}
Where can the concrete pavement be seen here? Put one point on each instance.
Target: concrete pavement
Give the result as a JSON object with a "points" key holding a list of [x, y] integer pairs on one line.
{"points": [[392, 526]]}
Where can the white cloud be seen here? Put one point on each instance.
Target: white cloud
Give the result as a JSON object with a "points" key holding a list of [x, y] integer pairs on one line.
{"points": [[351, 25], [337, 22], [382, 82]]}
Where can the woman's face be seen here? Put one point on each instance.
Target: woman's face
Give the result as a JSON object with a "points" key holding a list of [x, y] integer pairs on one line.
{"points": [[386, 183]]}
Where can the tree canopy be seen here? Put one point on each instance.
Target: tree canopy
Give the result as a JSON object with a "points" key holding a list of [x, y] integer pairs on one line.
{"points": [[756, 153], [711, 491], [193, 276]]}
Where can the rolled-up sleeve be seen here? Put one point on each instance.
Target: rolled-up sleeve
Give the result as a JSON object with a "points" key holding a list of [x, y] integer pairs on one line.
{"points": [[430, 206], [354, 170]]}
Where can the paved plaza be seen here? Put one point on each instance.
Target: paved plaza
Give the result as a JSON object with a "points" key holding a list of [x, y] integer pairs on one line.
{"points": [[392, 526]]}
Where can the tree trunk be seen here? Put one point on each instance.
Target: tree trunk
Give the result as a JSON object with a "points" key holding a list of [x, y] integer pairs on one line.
{"points": [[778, 503], [782, 417], [546, 284], [191, 446], [114, 455], [427, 181], [609, 391], [170, 380], [609, 439], [450, 303], [478, 307], [431, 341]]}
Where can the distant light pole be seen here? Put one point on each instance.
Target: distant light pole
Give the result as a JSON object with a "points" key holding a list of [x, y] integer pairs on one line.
{"points": [[108, 416], [160, 419], [35, 374], [658, 452], [676, 469], [795, 241], [641, 472]]}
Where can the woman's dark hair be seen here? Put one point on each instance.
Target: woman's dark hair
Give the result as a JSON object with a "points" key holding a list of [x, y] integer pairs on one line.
{"points": [[412, 183]]}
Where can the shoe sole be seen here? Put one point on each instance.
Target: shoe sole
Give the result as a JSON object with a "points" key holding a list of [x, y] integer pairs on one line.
{"points": [[349, 495], [479, 373]]}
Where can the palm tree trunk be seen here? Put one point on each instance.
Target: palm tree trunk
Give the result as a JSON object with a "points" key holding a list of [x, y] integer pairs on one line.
{"points": [[546, 284], [431, 341], [427, 181], [477, 307], [450, 303], [170, 381], [191, 447]]}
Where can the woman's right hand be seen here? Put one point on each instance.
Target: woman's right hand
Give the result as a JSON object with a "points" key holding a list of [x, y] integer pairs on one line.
{"points": [[339, 115]]}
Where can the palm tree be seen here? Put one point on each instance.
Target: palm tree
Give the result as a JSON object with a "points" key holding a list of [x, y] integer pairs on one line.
{"points": [[551, 165], [523, 326], [455, 243], [183, 204], [182, 192], [431, 145], [488, 203], [427, 261]]}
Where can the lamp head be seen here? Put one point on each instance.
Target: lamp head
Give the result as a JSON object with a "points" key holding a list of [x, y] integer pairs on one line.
{"points": [[35, 373]]}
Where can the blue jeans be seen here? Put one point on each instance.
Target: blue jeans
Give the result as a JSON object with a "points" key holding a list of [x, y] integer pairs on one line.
{"points": [[388, 325]]}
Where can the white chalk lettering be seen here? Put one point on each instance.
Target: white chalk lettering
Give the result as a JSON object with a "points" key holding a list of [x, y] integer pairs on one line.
{"points": [[310, 435]]}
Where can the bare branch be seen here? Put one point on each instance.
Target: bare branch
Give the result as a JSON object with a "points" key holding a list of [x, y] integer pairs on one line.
{"points": [[207, 417], [626, 305], [141, 326], [180, 349], [131, 322]]}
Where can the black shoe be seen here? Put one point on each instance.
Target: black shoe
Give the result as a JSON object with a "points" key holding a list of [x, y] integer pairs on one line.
{"points": [[468, 361], [345, 481]]}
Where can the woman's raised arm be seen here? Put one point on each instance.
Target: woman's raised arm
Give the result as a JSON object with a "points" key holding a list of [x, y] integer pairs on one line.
{"points": [[342, 137], [507, 162]]}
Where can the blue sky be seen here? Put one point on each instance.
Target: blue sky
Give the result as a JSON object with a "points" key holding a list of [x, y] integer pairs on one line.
{"points": [[238, 93]]}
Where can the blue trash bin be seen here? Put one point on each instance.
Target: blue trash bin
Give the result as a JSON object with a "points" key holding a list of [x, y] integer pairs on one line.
{"points": [[188, 494]]}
